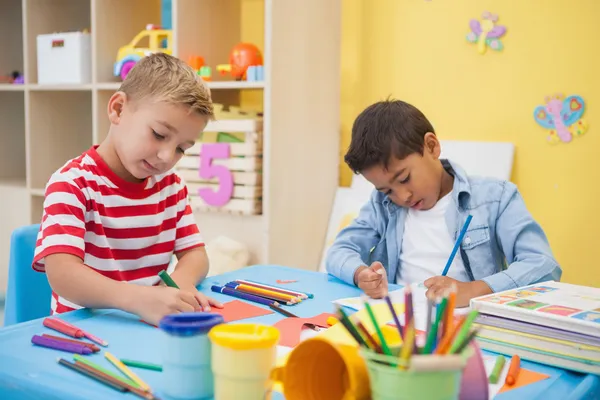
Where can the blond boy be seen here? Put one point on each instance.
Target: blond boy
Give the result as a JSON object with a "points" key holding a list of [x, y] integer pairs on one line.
{"points": [[115, 215]]}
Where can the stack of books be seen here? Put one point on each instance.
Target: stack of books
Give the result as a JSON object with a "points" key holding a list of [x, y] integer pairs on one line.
{"points": [[551, 323]]}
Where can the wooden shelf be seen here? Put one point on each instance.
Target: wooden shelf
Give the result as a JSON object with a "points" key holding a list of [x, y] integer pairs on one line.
{"points": [[12, 136], [9, 87], [236, 85], [59, 87]]}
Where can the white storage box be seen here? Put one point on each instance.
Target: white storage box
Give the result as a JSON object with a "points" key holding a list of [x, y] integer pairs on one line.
{"points": [[64, 58]]}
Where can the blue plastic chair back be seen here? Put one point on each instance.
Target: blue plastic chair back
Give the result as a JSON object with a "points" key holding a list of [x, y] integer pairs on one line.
{"points": [[28, 293]]}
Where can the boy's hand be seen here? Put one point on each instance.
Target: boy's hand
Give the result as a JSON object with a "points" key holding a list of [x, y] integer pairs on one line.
{"points": [[151, 303], [204, 302], [372, 280], [438, 285]]}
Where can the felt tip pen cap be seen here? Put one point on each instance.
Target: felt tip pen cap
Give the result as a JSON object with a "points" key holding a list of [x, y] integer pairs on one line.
{"points": [[190, 324]]}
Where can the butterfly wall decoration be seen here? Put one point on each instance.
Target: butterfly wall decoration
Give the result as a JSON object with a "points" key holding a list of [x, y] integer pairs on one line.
{"points": [[486, 33], [563, 117]]}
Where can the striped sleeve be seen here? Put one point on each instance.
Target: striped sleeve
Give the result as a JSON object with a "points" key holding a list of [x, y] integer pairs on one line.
{"points": [[188, 235], [63, 223]]}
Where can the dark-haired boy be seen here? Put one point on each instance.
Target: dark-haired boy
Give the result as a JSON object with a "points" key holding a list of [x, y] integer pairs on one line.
{"points": [[405, 233]]}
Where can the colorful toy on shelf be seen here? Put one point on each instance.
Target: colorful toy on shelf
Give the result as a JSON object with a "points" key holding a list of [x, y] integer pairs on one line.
{"points": [[242, 56], [197, 63], [223, 171], [486, 33], [563, 117], [15, 77], [159, 40]]}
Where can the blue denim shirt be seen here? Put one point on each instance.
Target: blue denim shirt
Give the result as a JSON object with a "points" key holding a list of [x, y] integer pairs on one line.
{"points": [[501, 232]]}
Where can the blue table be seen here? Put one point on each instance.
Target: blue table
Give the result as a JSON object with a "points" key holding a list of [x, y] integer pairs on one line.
{"points": [[31, 372]]}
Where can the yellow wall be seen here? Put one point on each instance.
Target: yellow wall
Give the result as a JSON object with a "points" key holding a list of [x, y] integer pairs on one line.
{"points": [[415, 50]]}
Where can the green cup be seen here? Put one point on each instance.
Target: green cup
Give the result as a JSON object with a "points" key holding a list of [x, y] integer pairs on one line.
{"points": [[431, 377]]}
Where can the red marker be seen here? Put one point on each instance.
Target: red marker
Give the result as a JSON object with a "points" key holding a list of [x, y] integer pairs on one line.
{"points": [[58, 325]]}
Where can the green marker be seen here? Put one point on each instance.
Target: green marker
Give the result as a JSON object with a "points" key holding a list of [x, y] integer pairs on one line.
{"points": [[89, 363], [463, 334], [495, 375], [140, 364], [167, 279]]}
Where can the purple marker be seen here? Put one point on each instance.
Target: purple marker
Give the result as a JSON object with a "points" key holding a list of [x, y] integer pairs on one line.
{"points": [[60, 345], [246, 296]]}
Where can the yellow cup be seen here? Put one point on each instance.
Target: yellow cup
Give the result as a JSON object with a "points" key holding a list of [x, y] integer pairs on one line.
{"points": [[318, 369], [242, 357]]}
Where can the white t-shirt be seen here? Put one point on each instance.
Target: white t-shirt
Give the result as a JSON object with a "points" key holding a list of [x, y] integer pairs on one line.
{"points": [[427, 244]]}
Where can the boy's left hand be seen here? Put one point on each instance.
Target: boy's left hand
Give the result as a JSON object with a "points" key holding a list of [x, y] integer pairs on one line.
{"points": [[438, 285]]}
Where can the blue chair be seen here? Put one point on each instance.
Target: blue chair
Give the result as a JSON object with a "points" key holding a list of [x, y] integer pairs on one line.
{"points": [[28, 293]]}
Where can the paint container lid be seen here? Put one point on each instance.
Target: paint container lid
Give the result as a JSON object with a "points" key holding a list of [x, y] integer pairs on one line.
{"points": [[190, 324], [244, 336]]}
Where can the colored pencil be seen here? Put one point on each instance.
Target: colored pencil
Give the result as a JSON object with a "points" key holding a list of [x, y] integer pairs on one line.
{"points": [[372, 343], [89, 374], [388, 300], [282, 311], [429, 315], [463, 333], [449, 314], [513, 370], [457, 245], [408, 310], [498, 366], [384, 346], [242, 295], [463, 345], [408, 345], [141, 364], [276, 288], [164, 276], [446, 341], [60, 345], [126, 371], [137, 391], [267, 294], [345, 321], [432, 334], [90, 346], [92, 364], [60, 326]]}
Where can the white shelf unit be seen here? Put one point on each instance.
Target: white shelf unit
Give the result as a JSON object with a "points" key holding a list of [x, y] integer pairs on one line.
{"points": [[44, 125]]}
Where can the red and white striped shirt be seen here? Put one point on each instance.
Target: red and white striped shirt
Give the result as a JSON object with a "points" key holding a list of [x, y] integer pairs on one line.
{"points": [[123, 230]]}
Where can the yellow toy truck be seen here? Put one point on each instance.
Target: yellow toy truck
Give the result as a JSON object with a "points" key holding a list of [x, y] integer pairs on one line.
{"points": [[151, 40]]}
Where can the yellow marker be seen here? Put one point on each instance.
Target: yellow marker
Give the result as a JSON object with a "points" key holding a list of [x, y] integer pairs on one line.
{"points": [[117, 363]]}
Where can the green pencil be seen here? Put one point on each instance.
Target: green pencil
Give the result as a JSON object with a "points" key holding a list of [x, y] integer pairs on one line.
{"points": [[89, 363], [384, 346], [345, 320], [141, 364], [498, 366], [463, 334], [432, 336], [167, 279]]}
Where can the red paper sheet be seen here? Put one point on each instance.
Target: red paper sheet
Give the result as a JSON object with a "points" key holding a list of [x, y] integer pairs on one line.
{"points": [[235, 310], [290, 328]]}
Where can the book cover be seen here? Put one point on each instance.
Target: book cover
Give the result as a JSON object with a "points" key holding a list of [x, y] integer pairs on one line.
{"points": [[560, 305]]}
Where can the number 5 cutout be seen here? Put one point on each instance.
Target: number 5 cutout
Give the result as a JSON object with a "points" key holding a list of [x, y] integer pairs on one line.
{"points": [[207, 170]]}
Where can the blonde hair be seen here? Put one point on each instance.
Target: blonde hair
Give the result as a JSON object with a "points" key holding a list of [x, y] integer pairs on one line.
{"points": [[166, 78]]}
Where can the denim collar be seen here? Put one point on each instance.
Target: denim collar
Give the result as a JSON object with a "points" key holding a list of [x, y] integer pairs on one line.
{"points": [[461, 189]]}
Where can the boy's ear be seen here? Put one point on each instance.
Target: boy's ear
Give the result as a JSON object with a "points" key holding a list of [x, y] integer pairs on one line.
{"points": [[432, 145], [115, 107]]}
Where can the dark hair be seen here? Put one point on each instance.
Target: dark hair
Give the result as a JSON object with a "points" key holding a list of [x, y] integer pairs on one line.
{"points": [[386, 128]]}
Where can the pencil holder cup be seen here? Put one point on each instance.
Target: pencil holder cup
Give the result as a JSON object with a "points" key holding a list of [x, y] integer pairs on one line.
{"points": [[318, 369], [187, 355], [242, 358], [431, 377]]}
